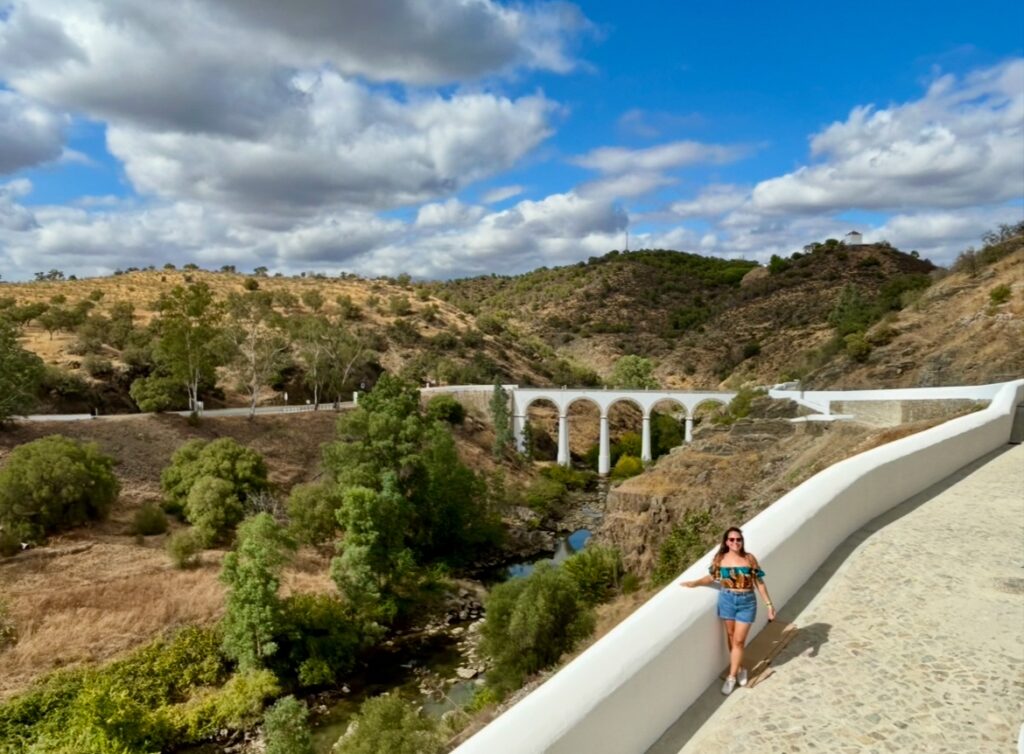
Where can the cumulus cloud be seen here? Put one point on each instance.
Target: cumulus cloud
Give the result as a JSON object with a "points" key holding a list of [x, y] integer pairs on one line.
{"points": [[447, 214], [959, 145], [13, 216], [29, 134], [348, 147], [714, 200], [661, 157]]}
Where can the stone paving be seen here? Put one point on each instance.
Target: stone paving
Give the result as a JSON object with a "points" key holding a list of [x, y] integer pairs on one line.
{"points": [[911, 636]]}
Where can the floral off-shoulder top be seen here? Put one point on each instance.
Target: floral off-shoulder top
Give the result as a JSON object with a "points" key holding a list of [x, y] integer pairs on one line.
{"points": [[737, 577]]}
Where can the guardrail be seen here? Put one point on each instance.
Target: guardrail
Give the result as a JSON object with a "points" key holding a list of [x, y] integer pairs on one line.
{"points": [[624, 691]]}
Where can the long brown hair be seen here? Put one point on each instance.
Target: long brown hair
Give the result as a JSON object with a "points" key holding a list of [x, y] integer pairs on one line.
{"points": [[724, 547]]}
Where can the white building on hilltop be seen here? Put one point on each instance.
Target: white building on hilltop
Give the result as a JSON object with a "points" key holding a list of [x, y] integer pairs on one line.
{"points": [[853, 238]]}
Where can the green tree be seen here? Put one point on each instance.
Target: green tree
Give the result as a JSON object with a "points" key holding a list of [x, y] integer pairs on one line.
{"points": [[386, 723], [252, 572], [223, 459], [21, 373], [688, 540], [328, 353], [286, 727], [54, 483], [311, 513], [851, 313], [189, 347], [156, 393], [259, 347], [531, 622], [634, 373], [500, 418], [213, 508]]}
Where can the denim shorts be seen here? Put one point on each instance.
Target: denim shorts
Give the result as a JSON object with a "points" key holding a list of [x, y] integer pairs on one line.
{"points": [[738, 606]]}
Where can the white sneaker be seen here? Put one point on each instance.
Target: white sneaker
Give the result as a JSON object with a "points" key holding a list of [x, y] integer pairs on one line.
{"points": [[741, 679], [729, 685]]}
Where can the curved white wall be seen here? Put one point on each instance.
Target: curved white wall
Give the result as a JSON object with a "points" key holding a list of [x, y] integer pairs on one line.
{"points": [[623, 692]]}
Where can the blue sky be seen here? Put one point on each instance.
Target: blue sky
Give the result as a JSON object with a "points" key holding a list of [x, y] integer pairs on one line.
{"points": [[455, 138]]}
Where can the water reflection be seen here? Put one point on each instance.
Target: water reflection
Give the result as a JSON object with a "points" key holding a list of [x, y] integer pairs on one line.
{"points": [[566, 546]]}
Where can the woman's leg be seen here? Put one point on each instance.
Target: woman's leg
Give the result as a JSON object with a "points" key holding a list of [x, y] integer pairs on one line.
{"points": [[729, 626], [738, 641]]}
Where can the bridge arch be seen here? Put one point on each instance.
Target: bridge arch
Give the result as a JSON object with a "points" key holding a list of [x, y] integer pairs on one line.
{"points": [[645, 400]]}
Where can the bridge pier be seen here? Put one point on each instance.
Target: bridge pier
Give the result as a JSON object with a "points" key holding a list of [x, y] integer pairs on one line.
{"points": [[645, 447], [563, 439], [604, 456], [688, 437], [519, 432]]}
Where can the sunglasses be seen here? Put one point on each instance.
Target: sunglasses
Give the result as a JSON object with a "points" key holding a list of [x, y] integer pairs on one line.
{"points": [[734, 539]]}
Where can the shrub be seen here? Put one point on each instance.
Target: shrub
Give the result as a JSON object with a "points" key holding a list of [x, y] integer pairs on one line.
{"points": [[286, 729], [751, 349], [999, 295], [399, 306], [446, 408], [183, 547], [97, 366], [531, 622], [313, 299], [236, 705], [311, 513], [320, 639], [687, 541], [155, 393], [627, 466], [630, 444], [21, 373], [213, 508], [386, 723], [54, 483], [149, 520], [739, 406], [857, 346], [223, 459], [544, 495], [573, 479], [596, 571]]}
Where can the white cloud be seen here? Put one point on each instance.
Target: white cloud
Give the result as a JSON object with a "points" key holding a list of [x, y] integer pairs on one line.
{"points": [[713, 200], [662, 157], [625, 185], [447, 214], [13, 216], [348, 147], [501, 193], [962, 144], [29, 134]]}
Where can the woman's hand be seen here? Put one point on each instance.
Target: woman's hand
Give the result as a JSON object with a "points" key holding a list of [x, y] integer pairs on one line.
{"points": [[771, 614], [688, 584]]}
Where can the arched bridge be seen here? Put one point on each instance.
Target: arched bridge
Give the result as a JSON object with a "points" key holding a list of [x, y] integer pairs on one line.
{"points": [[645, 400]]}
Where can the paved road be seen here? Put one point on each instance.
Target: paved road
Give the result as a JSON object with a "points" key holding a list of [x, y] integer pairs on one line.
{"points": [[260, 411], [911, 637]]}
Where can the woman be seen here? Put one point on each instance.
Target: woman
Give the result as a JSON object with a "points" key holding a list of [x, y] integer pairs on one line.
{"points": [[737, 572]]}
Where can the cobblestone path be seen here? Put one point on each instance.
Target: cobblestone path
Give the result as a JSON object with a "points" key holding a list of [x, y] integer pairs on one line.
{"points": [[914, 643]]}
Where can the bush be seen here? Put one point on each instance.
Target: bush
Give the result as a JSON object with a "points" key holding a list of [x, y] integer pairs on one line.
{"points": [[286, 729], [596, 571], [155, 393], [446, 408], [573, 479], [97, 366], [544, 495], [54, 483], [311, 513], [387, 724], [627, 466], [213, 508], [236, 705], [184, 547], [531, 622], [223, 459], [251, 284], [857, 347], [687, 541], [320, 639], [999, 295], [149, 520]]}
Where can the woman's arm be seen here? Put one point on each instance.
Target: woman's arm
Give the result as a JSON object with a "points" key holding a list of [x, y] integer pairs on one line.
{"points": [[702, 581], [763, 589]]}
